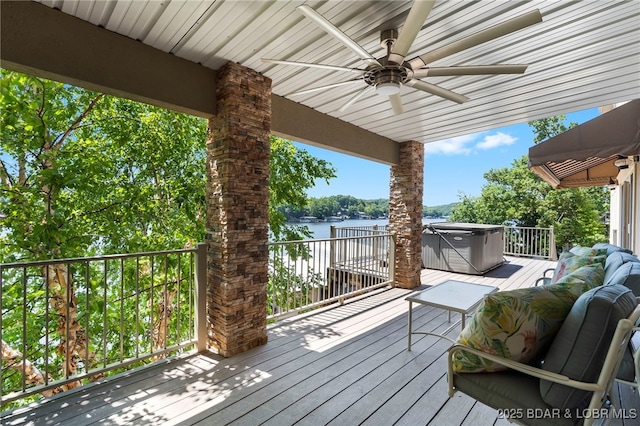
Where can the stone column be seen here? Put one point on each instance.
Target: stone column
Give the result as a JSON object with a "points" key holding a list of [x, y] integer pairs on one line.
{"points": [[237, 211], [405, 213]]}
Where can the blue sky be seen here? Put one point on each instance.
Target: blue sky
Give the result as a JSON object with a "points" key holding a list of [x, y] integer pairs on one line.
{"points": [[451, 166]]}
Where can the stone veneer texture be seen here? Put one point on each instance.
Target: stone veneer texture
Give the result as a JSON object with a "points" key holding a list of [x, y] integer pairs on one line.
{"points": [[237, 211], [405, 213]]}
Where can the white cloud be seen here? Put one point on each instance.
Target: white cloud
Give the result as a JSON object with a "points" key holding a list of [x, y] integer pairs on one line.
{"points": [[465, 145], [495, 141], [454, 146]]}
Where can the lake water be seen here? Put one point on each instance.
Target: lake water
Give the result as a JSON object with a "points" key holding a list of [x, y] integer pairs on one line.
{"points": [[321, 230]]}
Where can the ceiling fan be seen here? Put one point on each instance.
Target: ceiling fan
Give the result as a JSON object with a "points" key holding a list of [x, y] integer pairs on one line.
{"points": [[388, 74]]}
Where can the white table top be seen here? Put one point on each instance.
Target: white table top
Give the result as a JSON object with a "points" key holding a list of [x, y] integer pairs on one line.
{"points": [[457, 296]]}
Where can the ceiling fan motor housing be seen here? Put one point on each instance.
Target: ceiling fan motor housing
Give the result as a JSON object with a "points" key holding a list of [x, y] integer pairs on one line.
{"points": [[387, 80]]}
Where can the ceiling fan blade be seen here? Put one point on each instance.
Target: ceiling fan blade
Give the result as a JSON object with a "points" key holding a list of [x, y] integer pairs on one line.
{"points": [[354, 99], [308, 65], [470, 70], [499, 30], [417, 15], [328, 86], [396, 104], [437, 90], [336, 33]]}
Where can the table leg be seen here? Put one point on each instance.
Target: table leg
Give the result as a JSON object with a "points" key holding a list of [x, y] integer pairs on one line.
{"points": [[409, 334], [464, 317]]}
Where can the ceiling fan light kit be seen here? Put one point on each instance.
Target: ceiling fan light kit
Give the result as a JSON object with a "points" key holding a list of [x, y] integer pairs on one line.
{"points": [[388, 74], [388, 88], [387, 80]]}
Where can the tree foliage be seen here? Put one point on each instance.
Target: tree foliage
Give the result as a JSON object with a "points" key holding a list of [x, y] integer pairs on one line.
{"points": [[438, 211], [517, 196], [293, 172], [337, 205], [81, 174]]}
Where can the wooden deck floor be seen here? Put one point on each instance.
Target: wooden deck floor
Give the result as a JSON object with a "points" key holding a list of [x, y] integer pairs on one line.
{"points": [[341, 366]]}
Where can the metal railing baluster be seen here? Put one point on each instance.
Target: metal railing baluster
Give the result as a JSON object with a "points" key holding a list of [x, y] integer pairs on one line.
{"points": [[119, 347]]}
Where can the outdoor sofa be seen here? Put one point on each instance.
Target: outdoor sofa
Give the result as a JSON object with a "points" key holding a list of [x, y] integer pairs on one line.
{"points": [[549, 354]]}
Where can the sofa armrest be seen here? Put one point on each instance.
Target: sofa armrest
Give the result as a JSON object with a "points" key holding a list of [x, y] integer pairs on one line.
{"points": [[544, 279], [612, 360], [514, 365], [634, 347]]}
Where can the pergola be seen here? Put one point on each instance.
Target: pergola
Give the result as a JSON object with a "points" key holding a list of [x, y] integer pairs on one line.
{"points": [[204, 58]]}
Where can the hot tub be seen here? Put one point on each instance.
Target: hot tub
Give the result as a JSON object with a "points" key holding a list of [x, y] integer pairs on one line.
{"points": [[467, 248]]}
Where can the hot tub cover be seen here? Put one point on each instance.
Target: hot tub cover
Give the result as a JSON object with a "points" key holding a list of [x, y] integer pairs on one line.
{"points": [[462, 226]]}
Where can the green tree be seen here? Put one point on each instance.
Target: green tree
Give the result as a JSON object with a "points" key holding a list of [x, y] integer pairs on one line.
{"points": [[576, 215], [82, 173], [511, 195], [377, 208], [549, 127], [293, 172], [516, 195], [323, 207]]}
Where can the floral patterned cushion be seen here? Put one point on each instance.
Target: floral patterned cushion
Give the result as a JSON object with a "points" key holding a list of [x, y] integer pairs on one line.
{"points": [[588, 251], [518, 324], [570, 262], [593, 275]]}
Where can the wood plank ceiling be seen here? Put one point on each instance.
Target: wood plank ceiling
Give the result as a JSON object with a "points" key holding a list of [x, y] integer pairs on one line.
{"points": [[583, 55]]}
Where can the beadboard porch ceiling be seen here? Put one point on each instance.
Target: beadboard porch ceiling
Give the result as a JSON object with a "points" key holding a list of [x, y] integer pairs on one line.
{"points": [[583, 55]]}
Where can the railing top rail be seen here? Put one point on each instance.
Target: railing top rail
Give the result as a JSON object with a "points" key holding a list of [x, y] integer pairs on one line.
{"points": [[95, 258], [529, 227], [362, 227], [379, 235]]}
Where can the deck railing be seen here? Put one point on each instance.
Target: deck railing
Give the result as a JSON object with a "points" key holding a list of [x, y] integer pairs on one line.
{"points": [[70, 321], [311, 273], [518, 240], [66, 322], [357, 231], [530, 242]]}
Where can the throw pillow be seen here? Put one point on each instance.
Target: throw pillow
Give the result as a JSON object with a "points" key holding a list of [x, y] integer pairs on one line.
{"points": [[516, 324], [588, 251], [570, 262], [592, 275]]}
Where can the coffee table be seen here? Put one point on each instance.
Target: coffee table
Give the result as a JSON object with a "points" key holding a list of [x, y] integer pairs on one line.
{"points": [[452, 295]]}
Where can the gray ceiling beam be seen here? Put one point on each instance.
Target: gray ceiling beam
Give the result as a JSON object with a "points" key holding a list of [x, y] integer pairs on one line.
{"points": [[298, 122], [44, 42]]}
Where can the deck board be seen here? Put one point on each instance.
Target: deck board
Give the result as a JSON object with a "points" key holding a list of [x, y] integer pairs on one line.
{"points": [[628, 405], [454, 411], [341, 365], [480, 415]]}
